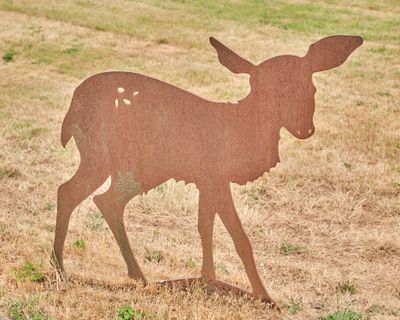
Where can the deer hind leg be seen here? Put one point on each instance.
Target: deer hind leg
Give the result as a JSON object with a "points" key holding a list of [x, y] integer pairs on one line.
{"points": [[231, 221], [112, 204], [70, 195]]}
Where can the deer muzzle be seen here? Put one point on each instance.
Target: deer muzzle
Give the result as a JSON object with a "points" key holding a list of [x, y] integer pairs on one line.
{"points": [[305, 133]]}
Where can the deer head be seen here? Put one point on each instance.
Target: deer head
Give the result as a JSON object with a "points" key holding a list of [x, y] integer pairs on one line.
{"points": [[284, 83]]}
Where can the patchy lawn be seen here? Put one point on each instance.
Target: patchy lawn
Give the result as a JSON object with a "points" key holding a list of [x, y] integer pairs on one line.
{"points": [[324, 224]]}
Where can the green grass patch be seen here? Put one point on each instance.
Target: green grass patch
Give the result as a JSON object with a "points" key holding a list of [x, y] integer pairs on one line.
{"points": [[130, 313], [123, 17], [71, 51], [343, 315], [9, 173], [50, 206], [9, 55], [26, 130], [395, 184], [3, 230], [33, 133], [65, 60], [294, 307], [79, 244], [29, 272], [347, 287], [306, 17], [96, 221], [376, 309], [26, 311], [288, 248], [257, 192], [222, 268], [154, 256], [190, 263], [347, 165]]}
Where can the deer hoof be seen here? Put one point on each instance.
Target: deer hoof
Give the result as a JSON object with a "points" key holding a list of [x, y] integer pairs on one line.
{"points": [[56, 263], [61, 275], [206, 278], [136, 276], [270, 303]]}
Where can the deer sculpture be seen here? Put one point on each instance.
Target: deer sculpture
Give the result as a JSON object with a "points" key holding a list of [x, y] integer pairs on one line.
{"points": [[141, 132]]}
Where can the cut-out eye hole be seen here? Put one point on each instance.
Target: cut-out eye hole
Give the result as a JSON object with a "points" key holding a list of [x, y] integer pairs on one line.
{"points": [[135, 93], [116, 103], [127, 102], [121, 90]]}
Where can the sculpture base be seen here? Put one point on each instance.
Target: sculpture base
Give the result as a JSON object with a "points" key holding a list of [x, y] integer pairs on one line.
{"points": [[211, 286], [221, 285]]}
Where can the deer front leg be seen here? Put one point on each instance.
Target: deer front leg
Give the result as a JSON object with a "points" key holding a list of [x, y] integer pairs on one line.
{"points": [[231, 221], [206, 227]]}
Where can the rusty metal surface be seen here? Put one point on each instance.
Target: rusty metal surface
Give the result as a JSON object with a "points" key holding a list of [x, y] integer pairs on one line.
{"points": [[142, 132], [212, 285]]}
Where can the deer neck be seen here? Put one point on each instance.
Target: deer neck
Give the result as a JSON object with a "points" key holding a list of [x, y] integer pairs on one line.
{"points": [[260, 109], [253, 138]]}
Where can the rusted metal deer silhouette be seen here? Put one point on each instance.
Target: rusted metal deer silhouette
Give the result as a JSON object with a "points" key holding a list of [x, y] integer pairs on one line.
{"points": [[142, 132]]}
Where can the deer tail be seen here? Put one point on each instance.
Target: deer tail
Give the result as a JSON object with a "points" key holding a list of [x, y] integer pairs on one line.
{"points": [[66, 128]]}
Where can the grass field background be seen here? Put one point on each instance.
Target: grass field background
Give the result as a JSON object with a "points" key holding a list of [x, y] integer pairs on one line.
{"points": [[324, 224]]}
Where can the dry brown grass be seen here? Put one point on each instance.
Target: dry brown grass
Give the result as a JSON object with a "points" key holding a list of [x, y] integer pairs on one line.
{"points": [[334, 198]]}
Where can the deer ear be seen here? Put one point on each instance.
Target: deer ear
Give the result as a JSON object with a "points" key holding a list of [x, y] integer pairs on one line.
{"points": [[331, 52], [231, 60]]}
